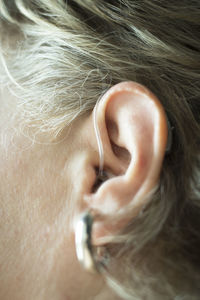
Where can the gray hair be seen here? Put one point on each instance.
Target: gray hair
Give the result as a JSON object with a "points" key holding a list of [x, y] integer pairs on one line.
{"points": [[67, 54]]}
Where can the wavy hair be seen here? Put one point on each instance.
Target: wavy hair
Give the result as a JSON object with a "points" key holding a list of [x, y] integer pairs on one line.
{"points": [[60, 57]]}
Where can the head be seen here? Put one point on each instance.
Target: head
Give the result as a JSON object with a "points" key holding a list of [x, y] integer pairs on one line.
{"points": [[90, 88]]}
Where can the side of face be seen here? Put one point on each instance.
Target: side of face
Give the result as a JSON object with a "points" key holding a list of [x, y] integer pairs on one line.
{"points": [[38, 188], [46, 183]]}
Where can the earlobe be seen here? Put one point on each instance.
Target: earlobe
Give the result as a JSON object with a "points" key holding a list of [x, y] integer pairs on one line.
{"points": [[133, 129]]}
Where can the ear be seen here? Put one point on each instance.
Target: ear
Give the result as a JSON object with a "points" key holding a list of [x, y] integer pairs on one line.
{"points": [[133, 129]]}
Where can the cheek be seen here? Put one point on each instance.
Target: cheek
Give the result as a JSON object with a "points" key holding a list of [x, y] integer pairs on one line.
{"points": [[34, 247], [33, 224]]}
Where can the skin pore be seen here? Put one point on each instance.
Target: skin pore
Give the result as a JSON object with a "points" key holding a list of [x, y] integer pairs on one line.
{"points": [[38, 182]]}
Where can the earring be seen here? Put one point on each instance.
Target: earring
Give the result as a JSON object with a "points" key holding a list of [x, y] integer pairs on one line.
{"points": [[87, 256]]}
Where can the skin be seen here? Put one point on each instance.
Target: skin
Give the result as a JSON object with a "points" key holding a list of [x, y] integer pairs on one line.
{"points": [[40, 188], [38, 180]]}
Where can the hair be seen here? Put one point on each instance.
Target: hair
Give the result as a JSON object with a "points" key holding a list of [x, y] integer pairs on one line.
{"points": [[60, 57]]}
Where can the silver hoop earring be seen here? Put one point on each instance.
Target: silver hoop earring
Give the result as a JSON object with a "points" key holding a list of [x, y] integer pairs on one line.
{"points": [[86, 254]]}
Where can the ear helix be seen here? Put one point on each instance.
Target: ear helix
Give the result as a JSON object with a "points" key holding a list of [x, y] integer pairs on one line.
{"points": [[100, 145], [170, 137], [87, 255]]}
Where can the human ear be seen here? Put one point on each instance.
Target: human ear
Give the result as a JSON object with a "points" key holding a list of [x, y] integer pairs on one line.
{"points": [[133, 129]]}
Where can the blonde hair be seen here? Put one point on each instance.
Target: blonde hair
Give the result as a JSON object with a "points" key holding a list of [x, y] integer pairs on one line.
{"points": [[67, 54]]}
